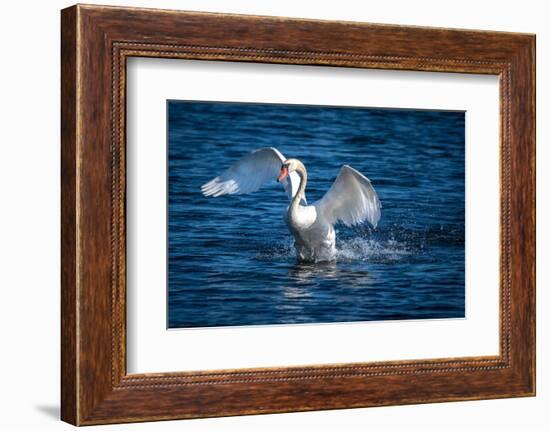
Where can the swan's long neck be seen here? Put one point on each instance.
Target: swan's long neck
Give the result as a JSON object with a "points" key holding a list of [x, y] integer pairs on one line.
{"points": [[302, 173]]}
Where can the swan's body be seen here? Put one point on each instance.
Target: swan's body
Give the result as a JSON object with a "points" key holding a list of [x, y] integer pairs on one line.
{"points": [[314, 237], [350, 200]]}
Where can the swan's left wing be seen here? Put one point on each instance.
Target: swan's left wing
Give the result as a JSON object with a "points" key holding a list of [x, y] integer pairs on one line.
{"points": [[351, 199], [250, 172]]}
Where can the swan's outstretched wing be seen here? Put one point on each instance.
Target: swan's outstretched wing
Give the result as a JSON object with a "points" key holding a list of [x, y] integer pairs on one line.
{"points": [[351, 199], [250, 172]]}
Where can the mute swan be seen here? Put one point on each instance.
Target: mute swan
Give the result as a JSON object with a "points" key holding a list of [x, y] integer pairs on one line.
{"points": [[351, 199]]}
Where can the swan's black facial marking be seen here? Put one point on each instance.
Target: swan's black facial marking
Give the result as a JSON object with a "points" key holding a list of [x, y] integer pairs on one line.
{"points": [[283, 173]]}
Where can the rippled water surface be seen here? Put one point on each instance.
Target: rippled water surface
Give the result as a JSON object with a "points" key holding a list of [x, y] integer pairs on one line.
{"points": [[231, 260]]}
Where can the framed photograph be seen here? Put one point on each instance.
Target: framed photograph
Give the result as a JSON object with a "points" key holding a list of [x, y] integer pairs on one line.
{"points": [[264, 214]]}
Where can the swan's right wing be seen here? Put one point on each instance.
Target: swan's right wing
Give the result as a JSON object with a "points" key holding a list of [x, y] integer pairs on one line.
{"points": [[250, 172], [351, 199]]}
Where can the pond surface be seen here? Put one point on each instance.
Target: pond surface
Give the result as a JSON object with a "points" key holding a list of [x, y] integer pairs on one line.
{"points": [[231, 260]]}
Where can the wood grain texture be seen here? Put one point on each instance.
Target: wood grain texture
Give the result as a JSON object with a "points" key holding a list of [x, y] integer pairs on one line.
{"points": [[69, 396], [96, 41]]}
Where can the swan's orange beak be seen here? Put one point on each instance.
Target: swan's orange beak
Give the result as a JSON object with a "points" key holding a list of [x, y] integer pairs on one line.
{"points": [[283, 174]]}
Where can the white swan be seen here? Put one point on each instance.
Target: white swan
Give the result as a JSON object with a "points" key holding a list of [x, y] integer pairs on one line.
{"points": [[351, 199]]}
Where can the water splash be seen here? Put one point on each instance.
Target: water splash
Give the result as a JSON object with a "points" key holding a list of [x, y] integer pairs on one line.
{"points": [[372, 250], [347, 250]]}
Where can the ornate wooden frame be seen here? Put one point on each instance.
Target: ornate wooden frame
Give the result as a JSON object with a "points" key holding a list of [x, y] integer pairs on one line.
{"points": [[95, 43]]}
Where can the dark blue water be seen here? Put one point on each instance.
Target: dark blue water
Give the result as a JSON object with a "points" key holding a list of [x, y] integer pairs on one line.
{"points": [[231, 260]]}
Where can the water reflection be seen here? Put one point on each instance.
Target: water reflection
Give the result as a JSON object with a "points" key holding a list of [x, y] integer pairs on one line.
{"points": [[306, 273]]}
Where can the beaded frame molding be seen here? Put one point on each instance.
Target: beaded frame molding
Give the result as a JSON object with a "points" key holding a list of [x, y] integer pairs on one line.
{"points": [[95, 43]]}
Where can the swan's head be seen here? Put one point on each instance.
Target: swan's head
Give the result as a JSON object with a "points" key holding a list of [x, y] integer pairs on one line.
{"points": [[290, 165]]}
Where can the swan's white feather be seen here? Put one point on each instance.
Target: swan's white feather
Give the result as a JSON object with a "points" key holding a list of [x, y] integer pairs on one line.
{"points": [[351, 199], [250, 172]]}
